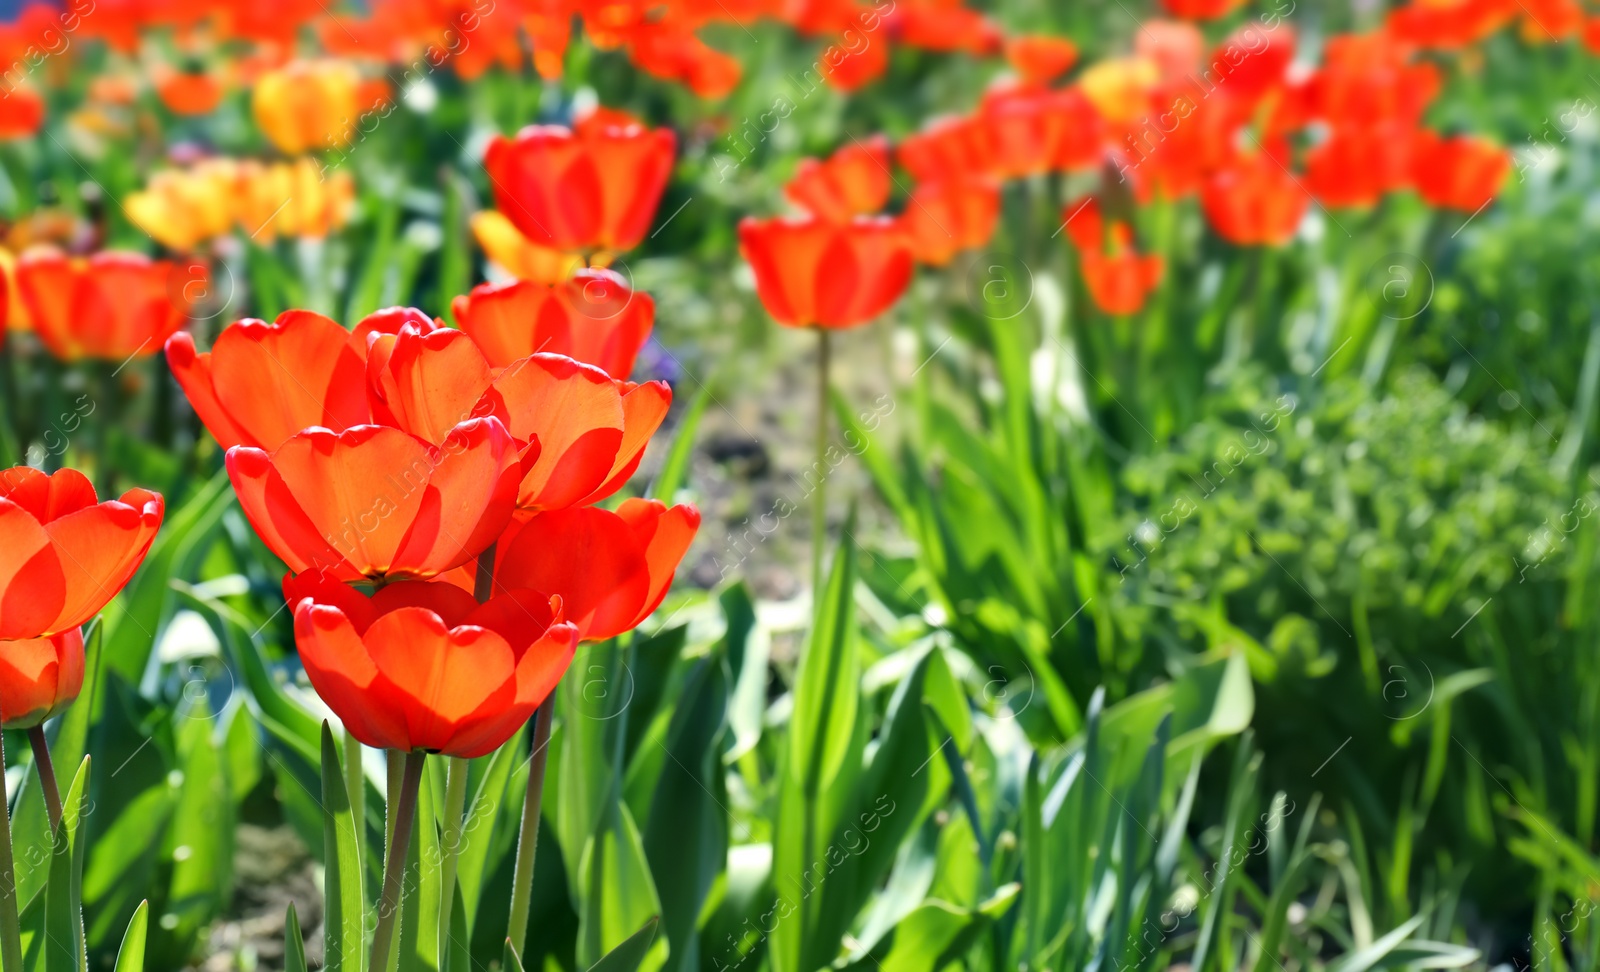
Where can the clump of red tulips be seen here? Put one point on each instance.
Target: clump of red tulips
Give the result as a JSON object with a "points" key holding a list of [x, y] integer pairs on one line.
{"points": [[433, 492]]}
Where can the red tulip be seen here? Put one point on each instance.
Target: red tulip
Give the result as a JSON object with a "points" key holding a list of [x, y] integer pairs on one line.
{"points": [[112, 305], [378, 503], [596, 189], [21, 112], [610, 569], [1356, 166], [855, 181], [1254, 202], [848, 67], [426, 383], [261, 383], [594, 317], [812, 273], [423, 666], [591, 429], [944, 218], [39, 678], [66, 554], [1118, 278], [1041, 59], [948, 147], [1462, 172], [1200, 9]]}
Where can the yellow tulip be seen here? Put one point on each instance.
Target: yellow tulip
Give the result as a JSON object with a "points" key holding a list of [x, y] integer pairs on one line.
{"points": [[307, 105]]}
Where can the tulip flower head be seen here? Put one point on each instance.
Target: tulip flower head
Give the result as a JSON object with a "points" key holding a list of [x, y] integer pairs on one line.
{"points": [[1461, 173], [67, 555], [307, 106], [1117, 277], [112, 305], [610, 569], [424, 666], [594, 317], [811, 273], [855, 181], [585, 191]]}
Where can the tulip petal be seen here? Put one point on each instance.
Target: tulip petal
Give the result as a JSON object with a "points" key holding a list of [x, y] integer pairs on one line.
{"points": [[99, 549], [32, 583], [276, 379]]}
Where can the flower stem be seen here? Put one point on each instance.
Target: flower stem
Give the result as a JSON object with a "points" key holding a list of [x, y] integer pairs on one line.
{"points": [[10, 924], [47, 774], [819, 494], [528, 838], [455, 804], [389, 903]]}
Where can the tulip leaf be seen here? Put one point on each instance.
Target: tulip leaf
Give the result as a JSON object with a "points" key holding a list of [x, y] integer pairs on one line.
{"points": [[821, 764], [675, 469], [345, 900], [483, 816], [133, 619], [130, 957], [938, 933], [631, 954], [458, 953], [511, 962], [617, 892], [200, 840], [63, 923], [294, 942], [687, 845], [418, 948]]}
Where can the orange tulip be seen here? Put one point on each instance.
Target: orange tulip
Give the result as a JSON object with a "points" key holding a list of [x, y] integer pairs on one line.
{"points": [[1254, 202], [948, 147], [591, 190], [1041, 59], [377, 503], [944, 218], [524, 259], [1027, 127], [39, 678], [849, 67], [188, 92], [66, 553], [854, 181], [1117, 277], [112, 305], [1462, 172], [261, 383], [610, 569], [591, 429], [811, 273], [423, 666], [1200, 9], [1356, 166], [21, 112], [594, 318], [307, 105]]}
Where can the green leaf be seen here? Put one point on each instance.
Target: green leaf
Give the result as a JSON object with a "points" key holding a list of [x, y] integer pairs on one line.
{"points": [[675, 468], [617, 894], [687, 846], [483, 818], [200, 839], [133, 618], [511, 962], [938, 933], [294, 944], [346, 901], [130, 957], [630, 955], [64, 947], [1366, 958]]}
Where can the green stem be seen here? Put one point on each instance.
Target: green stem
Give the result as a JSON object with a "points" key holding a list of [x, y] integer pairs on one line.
{"points": [[355, 783], [396, 764], [455, 804], [528, 838], [819, 495], [10, 925], [47, 775], [389, 903]]}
